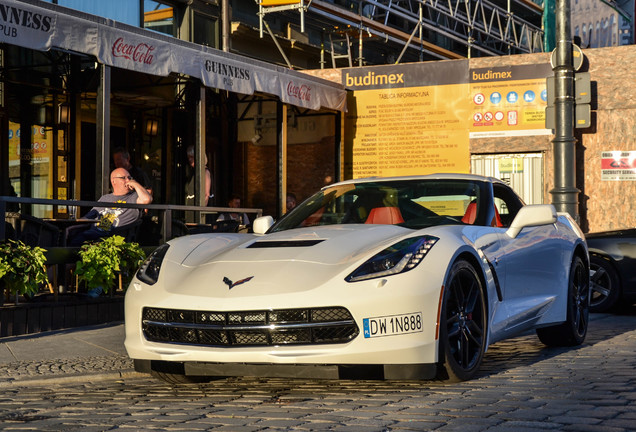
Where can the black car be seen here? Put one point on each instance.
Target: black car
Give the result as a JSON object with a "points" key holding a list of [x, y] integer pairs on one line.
{"points": [[612, 268]]}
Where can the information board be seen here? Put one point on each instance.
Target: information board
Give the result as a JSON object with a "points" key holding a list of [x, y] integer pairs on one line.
{"points": [[508, 101], [407, 120], [419, 118]]}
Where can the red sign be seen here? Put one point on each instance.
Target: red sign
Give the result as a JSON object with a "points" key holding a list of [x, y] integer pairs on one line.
{"points": [[619, 163], [140, 53], [302, 92]]}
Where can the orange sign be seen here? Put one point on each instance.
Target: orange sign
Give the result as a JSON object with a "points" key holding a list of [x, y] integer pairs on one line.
{"points": [[279, 2]]}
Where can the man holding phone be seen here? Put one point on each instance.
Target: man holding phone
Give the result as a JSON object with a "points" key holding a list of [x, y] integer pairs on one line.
{"points": [[125, 190]]}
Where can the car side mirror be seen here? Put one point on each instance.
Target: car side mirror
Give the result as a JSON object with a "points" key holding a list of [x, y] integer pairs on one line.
{"points": [[532, 215], [262, 224]]}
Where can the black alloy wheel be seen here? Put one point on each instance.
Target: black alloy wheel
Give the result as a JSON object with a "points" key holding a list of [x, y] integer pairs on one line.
{"points": [[573, 330], [462, 324], [604, 284]]}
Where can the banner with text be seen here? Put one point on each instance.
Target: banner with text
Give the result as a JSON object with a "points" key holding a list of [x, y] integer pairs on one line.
{"points": [[419, 118], [508, 101], [44, 27], [407, 119], [618, 165]]}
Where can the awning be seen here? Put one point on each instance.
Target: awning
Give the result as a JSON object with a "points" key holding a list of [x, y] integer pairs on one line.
{"points": [[45, 26]]}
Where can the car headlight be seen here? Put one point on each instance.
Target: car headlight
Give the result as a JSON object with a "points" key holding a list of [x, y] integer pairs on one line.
{"points": [[149, 270], [398, 258]]}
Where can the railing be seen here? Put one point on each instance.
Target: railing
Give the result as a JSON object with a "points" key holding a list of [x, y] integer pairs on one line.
{"points": [[166, 210]]}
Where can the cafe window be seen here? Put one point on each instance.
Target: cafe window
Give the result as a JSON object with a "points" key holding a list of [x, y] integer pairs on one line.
{"points": [[205, 30], [118, 10], [35, 100]]}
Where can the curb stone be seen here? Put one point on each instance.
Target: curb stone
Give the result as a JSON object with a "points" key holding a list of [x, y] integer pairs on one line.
{"points": [[69, 378]]}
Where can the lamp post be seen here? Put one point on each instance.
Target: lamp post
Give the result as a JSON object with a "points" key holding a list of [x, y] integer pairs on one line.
{"points": [[564, 194]]}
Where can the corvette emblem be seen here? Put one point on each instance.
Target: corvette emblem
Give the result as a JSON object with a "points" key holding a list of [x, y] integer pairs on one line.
{"points": [[231, 284]]}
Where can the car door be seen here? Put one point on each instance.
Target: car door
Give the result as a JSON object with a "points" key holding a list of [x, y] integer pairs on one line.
{"points": [[529, 266]]}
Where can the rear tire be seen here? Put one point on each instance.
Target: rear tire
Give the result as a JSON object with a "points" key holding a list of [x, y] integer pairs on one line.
{"points": [[604, 284], [573, 330], [462, 324], [171, 378]]}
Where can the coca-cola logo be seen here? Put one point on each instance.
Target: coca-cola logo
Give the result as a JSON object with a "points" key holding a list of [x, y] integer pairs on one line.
{"points": [[302, 92], [140, 53]]}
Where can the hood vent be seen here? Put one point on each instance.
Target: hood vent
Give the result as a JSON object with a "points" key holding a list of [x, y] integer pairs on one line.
{"points": [[285, 243]]}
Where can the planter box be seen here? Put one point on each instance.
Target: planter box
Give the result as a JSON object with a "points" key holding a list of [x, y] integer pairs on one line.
{"points": [[68, 312]]}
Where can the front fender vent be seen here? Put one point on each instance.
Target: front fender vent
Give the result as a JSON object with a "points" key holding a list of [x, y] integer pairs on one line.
{"points": [[330, 325]]}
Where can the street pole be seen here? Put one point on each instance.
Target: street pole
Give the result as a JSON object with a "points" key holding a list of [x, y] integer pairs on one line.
{"points": [[565, 195], [225, 25]]}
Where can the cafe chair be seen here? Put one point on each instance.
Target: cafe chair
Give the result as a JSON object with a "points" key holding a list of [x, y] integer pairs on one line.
{"points": [[179, 229], [36, 232], [72, 231], [231, 226], [9, 232], [129, 232], [33, 232]]}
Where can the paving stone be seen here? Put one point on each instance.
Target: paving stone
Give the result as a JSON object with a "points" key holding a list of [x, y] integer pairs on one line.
{"points": [[523, 386], [594, 428]]}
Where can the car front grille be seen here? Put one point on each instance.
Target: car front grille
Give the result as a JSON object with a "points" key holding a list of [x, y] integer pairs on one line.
{"points": [[249, 328]]}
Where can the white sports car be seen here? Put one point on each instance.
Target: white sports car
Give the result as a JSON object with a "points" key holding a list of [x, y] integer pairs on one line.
{"points": [[390, 278]]}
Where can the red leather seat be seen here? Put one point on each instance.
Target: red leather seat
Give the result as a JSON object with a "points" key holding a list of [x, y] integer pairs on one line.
{"points": [[471, 214], [385, 215], [497, 221], [314, 219]]}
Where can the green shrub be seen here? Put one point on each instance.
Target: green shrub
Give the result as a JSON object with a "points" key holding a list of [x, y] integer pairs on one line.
{"points": [[103, 260], [22, 267]]}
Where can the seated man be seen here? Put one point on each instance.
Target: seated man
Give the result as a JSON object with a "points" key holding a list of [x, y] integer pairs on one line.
{"points": [[125, 190], [241, 218]]}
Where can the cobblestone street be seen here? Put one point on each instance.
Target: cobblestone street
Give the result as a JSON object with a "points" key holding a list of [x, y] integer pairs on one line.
{"points": [[523, 387]]}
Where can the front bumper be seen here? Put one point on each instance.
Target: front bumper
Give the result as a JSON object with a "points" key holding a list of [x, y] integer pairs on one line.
{"points": [[365, 300], [306, 371]]}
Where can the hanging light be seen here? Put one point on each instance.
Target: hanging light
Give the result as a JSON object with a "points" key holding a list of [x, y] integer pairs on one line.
{"points": [[63, 113], [152, 125]]}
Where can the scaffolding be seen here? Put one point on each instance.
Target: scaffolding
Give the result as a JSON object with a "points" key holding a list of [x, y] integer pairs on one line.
{"points": [[421, 30]]}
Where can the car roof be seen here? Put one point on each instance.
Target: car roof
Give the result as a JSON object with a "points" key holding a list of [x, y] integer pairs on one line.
{"points": [[438, 176]]}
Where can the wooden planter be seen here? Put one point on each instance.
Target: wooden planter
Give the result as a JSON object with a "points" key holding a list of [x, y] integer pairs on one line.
{"points": [[68, 312]]}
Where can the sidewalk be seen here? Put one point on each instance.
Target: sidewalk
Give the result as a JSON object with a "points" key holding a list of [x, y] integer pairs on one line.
{"points": [[96, 351]]}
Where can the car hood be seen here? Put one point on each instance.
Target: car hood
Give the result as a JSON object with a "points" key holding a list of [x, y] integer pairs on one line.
{"points": [[320, 245], [275, 264]]}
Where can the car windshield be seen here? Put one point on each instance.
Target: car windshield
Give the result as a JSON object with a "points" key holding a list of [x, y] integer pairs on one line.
{"points": [[412, 203]]}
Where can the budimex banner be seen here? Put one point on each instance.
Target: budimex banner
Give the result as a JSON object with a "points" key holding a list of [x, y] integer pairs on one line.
{"points": [[508, 101], [419, 118], [407, 119]]}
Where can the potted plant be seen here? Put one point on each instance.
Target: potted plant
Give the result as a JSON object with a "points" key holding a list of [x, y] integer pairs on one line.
{"points": [[103, 261], [22, 268]]}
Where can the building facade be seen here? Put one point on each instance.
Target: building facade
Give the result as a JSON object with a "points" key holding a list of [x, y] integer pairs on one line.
{"points": [[76, 86], [65, 106]]}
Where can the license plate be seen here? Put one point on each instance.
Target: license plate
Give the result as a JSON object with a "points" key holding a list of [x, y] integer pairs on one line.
{"points": [[391, 325]]}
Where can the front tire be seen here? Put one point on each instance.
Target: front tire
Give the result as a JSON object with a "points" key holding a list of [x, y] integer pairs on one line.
{"points": [[462, 324], [604, 284], [573, 330]]}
